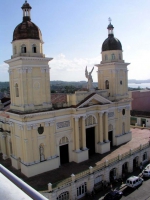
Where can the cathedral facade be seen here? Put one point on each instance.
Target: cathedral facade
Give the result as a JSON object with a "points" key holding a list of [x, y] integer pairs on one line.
{"points": [[39, 136]]}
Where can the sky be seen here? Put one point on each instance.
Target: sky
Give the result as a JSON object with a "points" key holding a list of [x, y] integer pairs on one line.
{"points": [[73, 32]]}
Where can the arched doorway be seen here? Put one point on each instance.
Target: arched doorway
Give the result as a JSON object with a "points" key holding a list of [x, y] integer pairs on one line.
{"points": [[113, 175], [90, 123], [125, 169], [135, 162], [63, 150]]}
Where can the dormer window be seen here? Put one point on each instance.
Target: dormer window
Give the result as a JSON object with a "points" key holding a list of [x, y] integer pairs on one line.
{"points": [[34, 48], [113, 56], [106, 57], [23, 48]]}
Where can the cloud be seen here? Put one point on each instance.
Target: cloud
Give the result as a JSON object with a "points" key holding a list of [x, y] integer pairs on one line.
{"points": [[4, 76], [63, 68], [140, 65]]}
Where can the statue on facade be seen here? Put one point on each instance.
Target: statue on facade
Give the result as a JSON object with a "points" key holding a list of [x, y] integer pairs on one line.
{"points": [[88, 75]]}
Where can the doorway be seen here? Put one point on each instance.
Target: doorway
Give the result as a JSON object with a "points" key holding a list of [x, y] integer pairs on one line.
{"points": [[90, 140], [64, 155], [110, 138], [143, 122]]}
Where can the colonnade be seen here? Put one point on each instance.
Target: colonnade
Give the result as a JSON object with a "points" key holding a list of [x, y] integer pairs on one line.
{"points": [[102, 135]]}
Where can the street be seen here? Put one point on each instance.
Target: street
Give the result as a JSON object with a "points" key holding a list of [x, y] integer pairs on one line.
{"points": [[140, 193]]}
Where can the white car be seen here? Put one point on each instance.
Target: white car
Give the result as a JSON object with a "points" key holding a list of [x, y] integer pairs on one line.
{"points": [[146, 172], [134, 181]]}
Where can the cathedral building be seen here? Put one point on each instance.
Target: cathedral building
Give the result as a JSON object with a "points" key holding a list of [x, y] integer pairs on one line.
{"points": [[38, 135]]}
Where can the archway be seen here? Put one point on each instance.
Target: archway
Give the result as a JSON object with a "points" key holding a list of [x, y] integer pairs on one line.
{"points": [[135, 162], [63, 150], [113, 174], [63, 196], [90, 123], [125, 169]]}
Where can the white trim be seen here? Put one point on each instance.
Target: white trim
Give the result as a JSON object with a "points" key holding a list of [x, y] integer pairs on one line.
{"points": [[27, 58], [96, 97]]}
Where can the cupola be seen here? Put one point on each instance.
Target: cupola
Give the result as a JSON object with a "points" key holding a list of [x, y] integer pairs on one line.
{"points": [[27, 37], [111, 47]]}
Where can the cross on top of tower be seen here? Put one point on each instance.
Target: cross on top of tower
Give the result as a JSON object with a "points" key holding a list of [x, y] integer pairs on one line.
{"points": [[109, 19]]}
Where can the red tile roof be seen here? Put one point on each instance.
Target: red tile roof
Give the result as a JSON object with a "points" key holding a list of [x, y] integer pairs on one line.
{"points": [[58, 98]]}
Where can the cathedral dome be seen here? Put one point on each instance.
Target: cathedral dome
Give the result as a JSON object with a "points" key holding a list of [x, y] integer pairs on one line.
{"points": [[26, 29], [111, 43]]}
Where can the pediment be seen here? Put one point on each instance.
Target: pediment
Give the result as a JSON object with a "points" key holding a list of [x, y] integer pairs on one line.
{"points": [[94, 100]]}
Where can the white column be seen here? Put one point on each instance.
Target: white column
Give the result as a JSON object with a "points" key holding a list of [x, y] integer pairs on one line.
{"points": [[77, 134], [101, 127], [83, 134], [106, 126]]}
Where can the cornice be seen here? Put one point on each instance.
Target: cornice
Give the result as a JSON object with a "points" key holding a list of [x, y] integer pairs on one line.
{"points": [[111, 63], [27, 58]]}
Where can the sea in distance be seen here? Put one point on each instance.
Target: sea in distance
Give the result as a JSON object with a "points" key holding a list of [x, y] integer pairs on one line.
{"points": [[139, 85]]}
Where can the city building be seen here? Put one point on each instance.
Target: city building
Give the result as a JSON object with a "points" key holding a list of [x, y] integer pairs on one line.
{"points": [[38, 136], [140, 108]]}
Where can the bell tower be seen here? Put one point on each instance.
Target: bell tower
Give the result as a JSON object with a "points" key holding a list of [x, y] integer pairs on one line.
{"points": [[112, 71], [28, 68]]}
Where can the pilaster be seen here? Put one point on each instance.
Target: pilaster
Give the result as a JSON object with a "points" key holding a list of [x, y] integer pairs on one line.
{"points": [[100, 127], [77, 134], [83, 134], [106, 126]]}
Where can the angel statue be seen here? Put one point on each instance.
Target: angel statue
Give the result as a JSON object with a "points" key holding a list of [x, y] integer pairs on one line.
{"points": [[88, 75]]}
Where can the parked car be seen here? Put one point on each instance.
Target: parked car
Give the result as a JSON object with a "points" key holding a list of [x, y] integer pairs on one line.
{"points": [[146, 172], [134, 181], [113, 195]]}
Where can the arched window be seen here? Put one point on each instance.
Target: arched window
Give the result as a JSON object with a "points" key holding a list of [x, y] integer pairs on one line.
{"points": [[16, 90], [63, 196], [123, 128], [106, 84], [106, 57], [33, 48], [113, 56], [63, 140], [23, 48], [41, 150], [110, 127], [90, 120], [15, 50], [145, 156], [123, 111]]}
